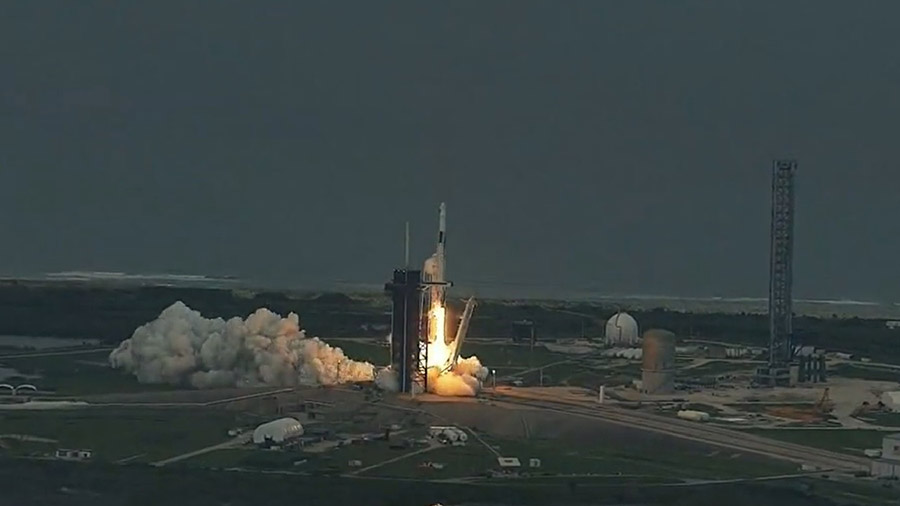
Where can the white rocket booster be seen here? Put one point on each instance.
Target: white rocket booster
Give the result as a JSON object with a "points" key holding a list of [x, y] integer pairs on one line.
{"points": [[435, 266], [435, 272]]}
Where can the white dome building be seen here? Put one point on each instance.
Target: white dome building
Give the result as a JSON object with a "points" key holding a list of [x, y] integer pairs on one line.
{"points": [[277, 431], [622, 330]]}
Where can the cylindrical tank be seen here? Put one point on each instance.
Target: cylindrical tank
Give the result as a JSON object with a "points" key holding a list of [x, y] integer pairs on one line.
{"points": [[658, 371]]}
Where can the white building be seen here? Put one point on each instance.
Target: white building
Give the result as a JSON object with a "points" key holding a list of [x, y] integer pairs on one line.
{"points": [[891, 400], [622, 330], [888, 466], [277, 431], [66, 454]]}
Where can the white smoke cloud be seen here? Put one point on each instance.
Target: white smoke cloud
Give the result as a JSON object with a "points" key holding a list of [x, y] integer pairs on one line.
{"points": [[181, 346], [387, 380], [472, 367], [464, 379]]}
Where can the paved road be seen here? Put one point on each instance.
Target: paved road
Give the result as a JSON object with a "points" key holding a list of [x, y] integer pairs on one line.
{"points": [[231, 443], [57, 353], [194, 404], [533, 369], [432, 446]]}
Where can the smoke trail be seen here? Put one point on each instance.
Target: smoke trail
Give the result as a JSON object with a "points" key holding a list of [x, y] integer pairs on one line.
{"points": [[181, 346]]}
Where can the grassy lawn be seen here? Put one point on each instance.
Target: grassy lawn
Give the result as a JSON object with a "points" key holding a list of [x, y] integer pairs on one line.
{"points": [[634, 461], [639, 459], [851, 441], [79, 374], [716, 368], [885, 419], [116, 433], [458, 461], [593, 377], [500, 355], [696, 406], [248, 458], [864, 372]]}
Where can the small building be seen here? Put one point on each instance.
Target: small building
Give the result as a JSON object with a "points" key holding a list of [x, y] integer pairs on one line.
{"points": [[509, 462], [892, 324], [78, 455], [888, 466], [891, 400], [277, 431]]}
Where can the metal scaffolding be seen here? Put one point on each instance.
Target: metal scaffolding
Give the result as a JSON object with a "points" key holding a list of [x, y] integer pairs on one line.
{"points": [[781, 262]]}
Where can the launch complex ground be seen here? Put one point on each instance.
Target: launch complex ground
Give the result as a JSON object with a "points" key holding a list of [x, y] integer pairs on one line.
{"points": [[628, 440], [541, 402]]}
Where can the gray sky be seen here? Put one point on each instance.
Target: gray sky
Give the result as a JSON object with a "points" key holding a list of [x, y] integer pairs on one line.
{"points": [[620, 146]]}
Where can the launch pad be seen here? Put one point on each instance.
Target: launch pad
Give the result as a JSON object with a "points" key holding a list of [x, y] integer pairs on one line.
{"points": [[419, 337]]}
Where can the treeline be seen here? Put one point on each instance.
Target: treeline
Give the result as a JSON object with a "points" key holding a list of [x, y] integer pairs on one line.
{"points": [[111, 314]]}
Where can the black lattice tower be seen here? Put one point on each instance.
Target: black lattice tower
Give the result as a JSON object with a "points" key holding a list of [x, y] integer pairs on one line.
{"points": [[780, 262], [406, 324]]}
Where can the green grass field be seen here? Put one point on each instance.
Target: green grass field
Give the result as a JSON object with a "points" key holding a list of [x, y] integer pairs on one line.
{"points": [[639, 459], [634, 460], [79, 374], [852, 441], [505, 355], [246, 458], [884, 419], [117, 433], [872, 373], [716, 368]]}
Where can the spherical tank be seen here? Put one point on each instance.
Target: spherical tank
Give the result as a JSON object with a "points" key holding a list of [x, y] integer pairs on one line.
{"points": [[621, 330], [659, 350]]}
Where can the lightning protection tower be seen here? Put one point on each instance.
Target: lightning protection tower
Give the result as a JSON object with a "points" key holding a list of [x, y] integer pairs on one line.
{"points": [[781, 275]]}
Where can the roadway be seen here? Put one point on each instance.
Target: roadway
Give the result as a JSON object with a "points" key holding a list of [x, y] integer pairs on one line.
{"points": [[694, 431], [231, 443], [57, 353]]}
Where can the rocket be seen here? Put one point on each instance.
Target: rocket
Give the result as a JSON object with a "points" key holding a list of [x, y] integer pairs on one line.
{"points": [[435, 266], [435, 276]]}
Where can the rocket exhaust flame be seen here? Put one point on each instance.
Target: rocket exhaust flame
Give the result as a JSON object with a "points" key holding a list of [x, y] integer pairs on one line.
{"points": [[447, 374]]}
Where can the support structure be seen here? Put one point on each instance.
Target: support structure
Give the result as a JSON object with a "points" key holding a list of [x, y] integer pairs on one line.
{"points": [[406, 325], [779, 370], [781, 262]]}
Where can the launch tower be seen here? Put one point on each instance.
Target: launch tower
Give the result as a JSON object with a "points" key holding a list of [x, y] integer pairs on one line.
{"points": [[405, 290], [779, 368]]}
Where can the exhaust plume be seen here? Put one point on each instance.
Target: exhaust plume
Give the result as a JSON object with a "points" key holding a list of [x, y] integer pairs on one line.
{"points": [[464, 379], [182, 347]]}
